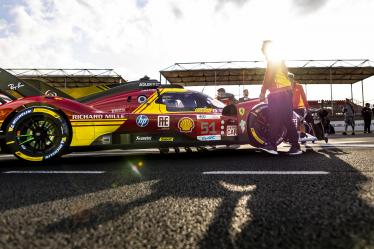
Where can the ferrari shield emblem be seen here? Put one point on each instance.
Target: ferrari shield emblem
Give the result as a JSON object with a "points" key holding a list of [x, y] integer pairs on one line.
{"points": [[241, 111]]}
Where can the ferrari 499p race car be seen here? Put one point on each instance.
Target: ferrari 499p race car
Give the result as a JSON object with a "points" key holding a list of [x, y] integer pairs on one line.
{"points": [[40, 126]]}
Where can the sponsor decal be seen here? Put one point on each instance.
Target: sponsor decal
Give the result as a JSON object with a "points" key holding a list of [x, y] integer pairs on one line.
{"points": [[149, 84], [50, 93], [166, 139], [163, 121], [209, 138], [296, 122], [207, 110], [97, 116], [208, 128], [15, 86], [142, 99], [241, 111], [142, 121], [243, 125], [143, 139], [12, 125], [186, 124], [56, 151], [231, 130], [207, 116], [119, 110]]}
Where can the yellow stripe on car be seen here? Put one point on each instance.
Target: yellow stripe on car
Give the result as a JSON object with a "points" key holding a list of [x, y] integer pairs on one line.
{"points": [[98, 120], [74, 124], [28, 158], [254, 134], [143, 106], [44, 110]]}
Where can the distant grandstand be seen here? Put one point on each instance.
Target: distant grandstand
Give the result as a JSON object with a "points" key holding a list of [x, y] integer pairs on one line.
{"points": [[69, 78]]}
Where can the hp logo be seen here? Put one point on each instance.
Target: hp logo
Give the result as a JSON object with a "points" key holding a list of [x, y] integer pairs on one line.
{"points": [[142, 121]]}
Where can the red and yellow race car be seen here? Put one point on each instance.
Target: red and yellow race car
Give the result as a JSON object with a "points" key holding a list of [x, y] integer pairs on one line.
{"points": [[40, 126]]}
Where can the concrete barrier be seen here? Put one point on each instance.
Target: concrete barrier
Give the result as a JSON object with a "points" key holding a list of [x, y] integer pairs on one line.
{"points": [[339, 125]]}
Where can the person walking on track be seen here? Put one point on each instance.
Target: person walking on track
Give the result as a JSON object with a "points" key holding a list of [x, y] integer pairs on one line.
{"points": [[349, 113], [280, 104]]}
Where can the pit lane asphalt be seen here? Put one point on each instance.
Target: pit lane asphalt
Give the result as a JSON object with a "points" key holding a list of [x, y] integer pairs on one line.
{"points": [[146, 200]]}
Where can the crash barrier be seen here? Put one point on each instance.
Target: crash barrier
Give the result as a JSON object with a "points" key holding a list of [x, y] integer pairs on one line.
{"points": [[359, 125]]}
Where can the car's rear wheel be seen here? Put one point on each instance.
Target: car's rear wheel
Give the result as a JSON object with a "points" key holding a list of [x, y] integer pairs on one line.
{"points": [[38, 134], [258, 126]]}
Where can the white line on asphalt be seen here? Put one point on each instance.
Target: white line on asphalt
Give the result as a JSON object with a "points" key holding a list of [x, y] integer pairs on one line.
{"points": [[345, 145], [266, 173], [53, 172]]}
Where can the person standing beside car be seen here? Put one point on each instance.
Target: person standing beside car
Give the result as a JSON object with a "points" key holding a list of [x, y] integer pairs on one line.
{"points": [[280, 104], [226, 98], [349, 113], [367, 114], [245, 96]]}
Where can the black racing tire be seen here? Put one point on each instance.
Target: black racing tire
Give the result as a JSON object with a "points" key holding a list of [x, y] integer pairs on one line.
{"points": [[258, 127], [38, 134]]}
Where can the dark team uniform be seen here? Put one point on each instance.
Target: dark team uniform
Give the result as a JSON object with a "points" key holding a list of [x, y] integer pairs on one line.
{"points": [[366, 114], [280, 103], [228, 99]]}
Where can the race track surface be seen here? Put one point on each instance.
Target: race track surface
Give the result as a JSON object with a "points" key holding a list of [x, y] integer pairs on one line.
{"points": [[223, 198]]}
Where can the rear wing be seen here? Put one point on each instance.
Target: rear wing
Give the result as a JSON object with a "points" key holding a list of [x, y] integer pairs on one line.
{"points": [[10, 84]]}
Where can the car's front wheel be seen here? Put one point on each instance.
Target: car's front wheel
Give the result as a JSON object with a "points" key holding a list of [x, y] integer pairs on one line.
{"points": [[38, 134]]}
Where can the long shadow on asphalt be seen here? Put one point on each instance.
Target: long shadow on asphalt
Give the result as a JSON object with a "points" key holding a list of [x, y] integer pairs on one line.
{"points": [[313, 211]]}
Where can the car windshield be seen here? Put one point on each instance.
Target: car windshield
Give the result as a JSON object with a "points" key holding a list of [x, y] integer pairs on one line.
{"points": [[180, 101], [215, 102]]}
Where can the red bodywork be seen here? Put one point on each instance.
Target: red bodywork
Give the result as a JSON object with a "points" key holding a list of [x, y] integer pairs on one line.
{"points": [[210, 125]]}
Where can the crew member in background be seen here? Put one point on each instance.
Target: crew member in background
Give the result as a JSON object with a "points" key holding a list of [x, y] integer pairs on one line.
{"points": [[245, 96], [349, 113], [367, 114], [299, 101], [279, 102], [226, 98]]}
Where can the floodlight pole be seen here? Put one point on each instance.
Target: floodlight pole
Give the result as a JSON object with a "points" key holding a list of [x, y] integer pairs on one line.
{"points": [[351, 92], [362, 91], [332, 105], [215, 81]]}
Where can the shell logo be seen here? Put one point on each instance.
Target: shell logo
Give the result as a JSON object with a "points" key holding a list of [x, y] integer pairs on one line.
{"points": [[186, 124]]}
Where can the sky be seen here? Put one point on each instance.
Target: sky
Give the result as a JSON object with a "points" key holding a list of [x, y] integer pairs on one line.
{"points": [[142, 37]]}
